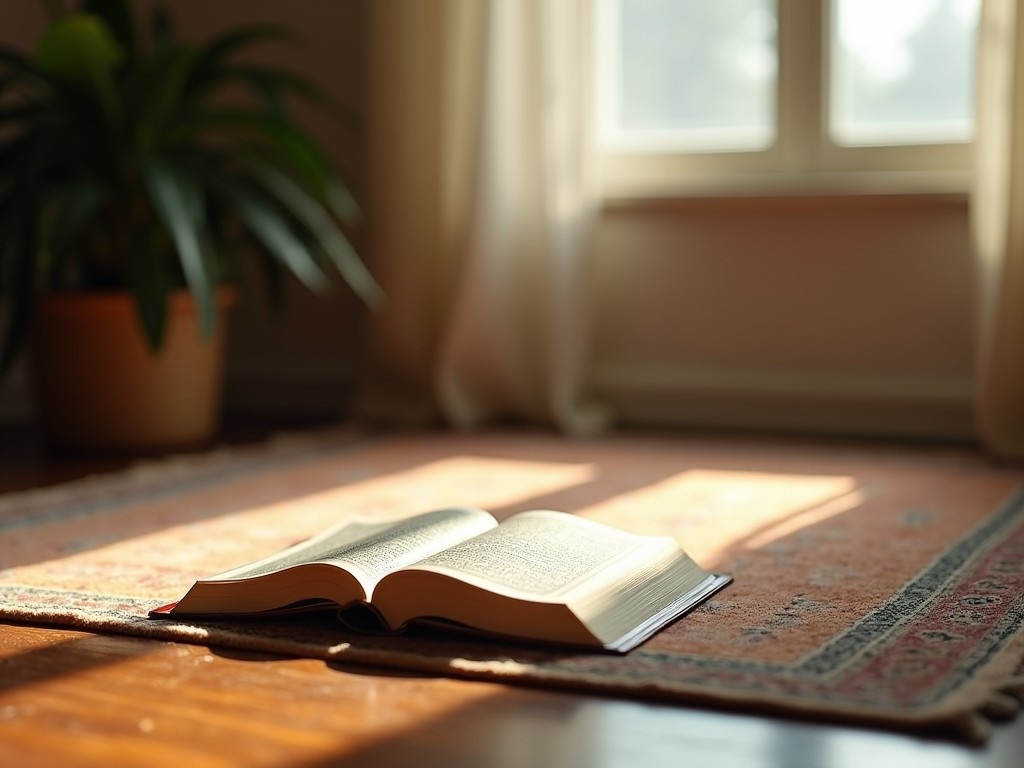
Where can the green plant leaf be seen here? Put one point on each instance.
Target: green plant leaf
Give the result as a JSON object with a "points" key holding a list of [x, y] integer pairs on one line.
{"points": [[150, 284], [272, 231], [222, 48], [270, 95], [16, 61], [159, 91], [313, 215], [74, 207], [23, 81], [208, 72], [81, 50], [279, 79], [105, 112], [118, 18], [272, 85], [176, 198], [343, 203], [276, 137]]}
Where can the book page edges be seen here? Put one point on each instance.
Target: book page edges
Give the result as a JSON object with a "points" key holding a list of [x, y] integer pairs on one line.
{"points": [[271, 592], [674, 610], [627, 642]]}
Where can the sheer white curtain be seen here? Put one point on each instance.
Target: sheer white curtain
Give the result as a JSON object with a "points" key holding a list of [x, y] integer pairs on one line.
{"points": [[998, 217], [480, 211]]}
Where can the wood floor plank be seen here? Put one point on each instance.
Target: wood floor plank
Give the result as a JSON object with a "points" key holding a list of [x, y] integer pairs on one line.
{"points": [[73, 698]]}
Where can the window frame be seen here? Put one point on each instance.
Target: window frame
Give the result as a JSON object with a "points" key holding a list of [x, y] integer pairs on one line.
{"points": [[803, 158]]}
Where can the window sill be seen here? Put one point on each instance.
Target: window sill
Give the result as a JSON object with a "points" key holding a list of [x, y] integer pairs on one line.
{"points": [[950, 186]]}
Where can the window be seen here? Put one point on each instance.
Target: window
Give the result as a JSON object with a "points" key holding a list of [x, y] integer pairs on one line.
{"points": [[687, 76], [901, 72], [693, 93]]}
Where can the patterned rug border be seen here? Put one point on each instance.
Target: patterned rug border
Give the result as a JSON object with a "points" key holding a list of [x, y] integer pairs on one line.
{"points": [[742, 684], [150, 480], [971, 722]]}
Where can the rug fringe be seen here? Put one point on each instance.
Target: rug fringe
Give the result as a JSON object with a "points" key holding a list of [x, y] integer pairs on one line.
{"points": [[1000, 706], [1015, 687], [974, 727]]}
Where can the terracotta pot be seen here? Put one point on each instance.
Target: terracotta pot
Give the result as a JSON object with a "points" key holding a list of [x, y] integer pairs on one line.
{"points": [[97, 384]]}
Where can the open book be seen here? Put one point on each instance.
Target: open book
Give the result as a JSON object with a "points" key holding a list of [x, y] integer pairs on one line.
{"points": [[539, 576]]}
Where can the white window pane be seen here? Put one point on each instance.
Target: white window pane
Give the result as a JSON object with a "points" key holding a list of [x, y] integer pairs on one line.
{"points": [[902, 71], [686, 74]]}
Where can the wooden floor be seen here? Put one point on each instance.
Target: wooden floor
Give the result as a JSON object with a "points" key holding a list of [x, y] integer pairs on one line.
{"points": [[75, 698]]}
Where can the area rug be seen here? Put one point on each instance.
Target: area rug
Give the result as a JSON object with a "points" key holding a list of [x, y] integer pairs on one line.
{"points": [[874, 584]]}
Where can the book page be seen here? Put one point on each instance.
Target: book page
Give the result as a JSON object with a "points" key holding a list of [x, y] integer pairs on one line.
{"points": [[411, 541], [375, 548], [537, 553]]}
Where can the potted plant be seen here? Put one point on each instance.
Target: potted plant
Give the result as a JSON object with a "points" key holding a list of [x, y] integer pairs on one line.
{"points": [[136, 170]]}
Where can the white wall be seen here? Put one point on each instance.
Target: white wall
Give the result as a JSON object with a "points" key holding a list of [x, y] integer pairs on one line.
{"points": [[836, 313]]}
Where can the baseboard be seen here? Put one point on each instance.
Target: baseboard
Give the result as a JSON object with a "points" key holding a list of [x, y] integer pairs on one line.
{"points": [[894, 406], [877, 406]]}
